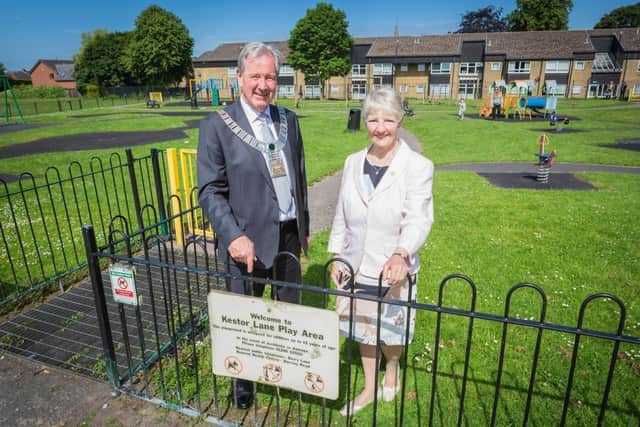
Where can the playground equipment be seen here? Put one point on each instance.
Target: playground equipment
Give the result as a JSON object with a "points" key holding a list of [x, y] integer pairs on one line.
{"points": [[6, 89], [545, 160], [211, 90], [182, 180], [487, 105], [517, 101], [634, 95]]}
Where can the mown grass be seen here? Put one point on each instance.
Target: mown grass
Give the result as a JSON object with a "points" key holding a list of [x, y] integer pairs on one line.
{"points": [[571, 243]]}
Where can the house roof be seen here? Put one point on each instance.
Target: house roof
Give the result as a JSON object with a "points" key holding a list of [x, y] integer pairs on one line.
{"points": [[20, 75], [228, 52], [62, 67], [512, 45]]}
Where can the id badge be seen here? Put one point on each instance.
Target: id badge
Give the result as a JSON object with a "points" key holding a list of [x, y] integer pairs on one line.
{"points": [[277, 167]]}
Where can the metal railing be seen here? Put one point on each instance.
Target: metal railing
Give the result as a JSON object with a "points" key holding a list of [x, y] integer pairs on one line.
{"points": [[464, 366], [41, 217]]}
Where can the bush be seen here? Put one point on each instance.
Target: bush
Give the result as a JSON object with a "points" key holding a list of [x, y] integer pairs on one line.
{"points": [[39, 92], [92, 90]]}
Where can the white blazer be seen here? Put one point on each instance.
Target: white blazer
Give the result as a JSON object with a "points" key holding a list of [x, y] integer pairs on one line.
{"points": [[369, 228]]}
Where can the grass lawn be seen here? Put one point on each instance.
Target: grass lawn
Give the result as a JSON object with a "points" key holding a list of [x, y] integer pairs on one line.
{"points": [[571, 243]]}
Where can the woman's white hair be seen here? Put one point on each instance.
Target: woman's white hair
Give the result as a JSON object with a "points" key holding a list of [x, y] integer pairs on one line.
{"points": [[256, 49], [384, 99]]}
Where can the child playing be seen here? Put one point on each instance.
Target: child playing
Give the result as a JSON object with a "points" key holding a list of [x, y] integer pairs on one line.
{"points": [[462, 107]]}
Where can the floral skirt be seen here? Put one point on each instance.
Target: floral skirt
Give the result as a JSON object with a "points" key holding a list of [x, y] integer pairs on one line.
{"points": [[393, 318]]}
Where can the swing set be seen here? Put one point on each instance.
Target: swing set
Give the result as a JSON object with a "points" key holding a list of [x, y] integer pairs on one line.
{"points": [[6, 89]]}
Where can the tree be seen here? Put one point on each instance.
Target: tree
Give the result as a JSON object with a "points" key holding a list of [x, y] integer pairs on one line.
{"points": [[485, 20], [540, 15], [320, 44], [622, 17], [2, 69], [160, 49], [100, 60]]}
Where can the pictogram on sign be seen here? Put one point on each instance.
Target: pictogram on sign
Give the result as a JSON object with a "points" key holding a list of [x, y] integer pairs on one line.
{"points": [[123, 284]]}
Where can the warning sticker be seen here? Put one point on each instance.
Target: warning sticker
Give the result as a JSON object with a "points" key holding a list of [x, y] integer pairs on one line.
{"points": [[123, 284]]}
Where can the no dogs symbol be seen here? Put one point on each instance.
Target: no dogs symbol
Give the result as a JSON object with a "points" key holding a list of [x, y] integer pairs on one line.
{"points": [[233, 365], [122, 283]]}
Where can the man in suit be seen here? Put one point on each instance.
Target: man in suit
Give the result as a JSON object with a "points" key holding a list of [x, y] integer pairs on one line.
{"points": [[252, 183]]}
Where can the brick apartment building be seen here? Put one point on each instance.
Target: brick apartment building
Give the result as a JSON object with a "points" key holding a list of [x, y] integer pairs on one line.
{"points": [[583, 64]]}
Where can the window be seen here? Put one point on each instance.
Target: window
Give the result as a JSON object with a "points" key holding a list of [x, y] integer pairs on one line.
{"points": [[556, 67], [467, 89], [335, 89], [404, 68], [602, 63], [579, 65], [561, 90], [470, 68], [495, 66], [420, 88], [51, 76], [358, 89], [286, 70], [231, 71], [576, 90], [638, 67], [519, 66], [285, 90], [358, 70], [636, 89], [441, 68], [439, 90], [404, 88], [383, 69], [421, 67], [312, 91]]}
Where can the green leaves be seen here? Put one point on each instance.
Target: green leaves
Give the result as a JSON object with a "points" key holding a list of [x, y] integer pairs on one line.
{"points": [[622, 17], [540, 15], [160, 49], [100, 60], [320, 43]]}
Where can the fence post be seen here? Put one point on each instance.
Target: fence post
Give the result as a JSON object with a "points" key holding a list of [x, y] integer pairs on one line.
{"points": [[134, 188], [91, 247], [155, 162], [59, 106]]}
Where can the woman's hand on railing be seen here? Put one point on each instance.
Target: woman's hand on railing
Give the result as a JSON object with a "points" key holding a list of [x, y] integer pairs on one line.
{"points": [[395, 270]]}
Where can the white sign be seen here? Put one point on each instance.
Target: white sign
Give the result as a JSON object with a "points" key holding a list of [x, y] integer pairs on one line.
{"points": [[277, 343], [123, 285]]}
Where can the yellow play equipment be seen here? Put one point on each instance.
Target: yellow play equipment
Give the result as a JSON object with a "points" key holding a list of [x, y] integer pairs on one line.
{"points": [[183, 185], [634, 95], [511, 99]]}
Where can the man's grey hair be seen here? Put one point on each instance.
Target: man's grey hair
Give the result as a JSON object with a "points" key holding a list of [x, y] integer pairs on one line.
{"points": [[256, 49], [384, 99]]}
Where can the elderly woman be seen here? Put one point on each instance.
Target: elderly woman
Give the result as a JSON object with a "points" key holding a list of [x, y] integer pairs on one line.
{"points": [[383, 217]]}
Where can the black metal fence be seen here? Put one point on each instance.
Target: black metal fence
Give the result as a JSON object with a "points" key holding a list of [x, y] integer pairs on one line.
{"points": [[40, 239], [463, 367], [110, 98]]}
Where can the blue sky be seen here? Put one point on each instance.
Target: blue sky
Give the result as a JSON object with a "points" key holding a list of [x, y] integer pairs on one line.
{"points": [[52, 30]]}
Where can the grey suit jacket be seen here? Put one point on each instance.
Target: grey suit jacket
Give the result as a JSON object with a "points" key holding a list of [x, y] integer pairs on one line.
{"points": [[235, 188]]}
